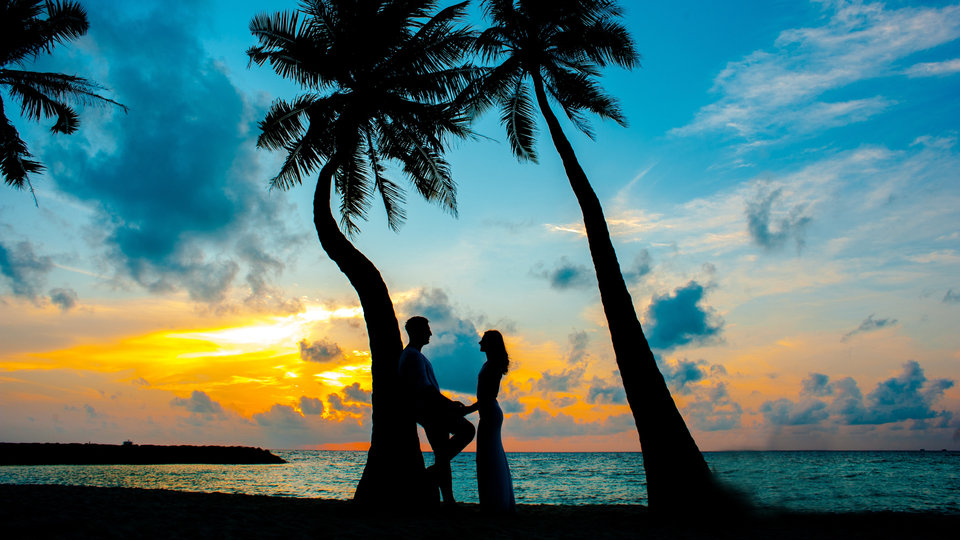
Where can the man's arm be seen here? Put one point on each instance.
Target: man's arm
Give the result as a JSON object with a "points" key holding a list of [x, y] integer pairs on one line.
{"points": [[433, 398]]}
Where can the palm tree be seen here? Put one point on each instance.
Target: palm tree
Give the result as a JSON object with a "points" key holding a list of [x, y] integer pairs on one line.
{"points": [[380, 76], [559, 47], [40, 95]]}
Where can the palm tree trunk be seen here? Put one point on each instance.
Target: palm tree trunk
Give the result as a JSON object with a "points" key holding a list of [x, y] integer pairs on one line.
{"points": [[394, 474], [675, 469]]}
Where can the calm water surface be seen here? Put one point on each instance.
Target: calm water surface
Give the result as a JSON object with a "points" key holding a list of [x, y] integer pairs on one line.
{"points": [[820, 481]]}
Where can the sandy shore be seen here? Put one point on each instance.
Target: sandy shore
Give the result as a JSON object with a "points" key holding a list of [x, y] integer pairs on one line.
{"points": [[87, 512]]}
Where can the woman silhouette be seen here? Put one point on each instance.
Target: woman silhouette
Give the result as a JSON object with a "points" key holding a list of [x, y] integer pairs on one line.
{"points": [[493, 473]]}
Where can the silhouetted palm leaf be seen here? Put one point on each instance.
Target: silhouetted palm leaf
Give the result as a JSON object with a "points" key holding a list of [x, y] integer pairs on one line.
{"points": [[386, 75], [564, 43], [40, 95]]}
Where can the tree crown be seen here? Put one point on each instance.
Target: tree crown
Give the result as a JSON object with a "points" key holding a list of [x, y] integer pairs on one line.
{"points": [[382, 77]]}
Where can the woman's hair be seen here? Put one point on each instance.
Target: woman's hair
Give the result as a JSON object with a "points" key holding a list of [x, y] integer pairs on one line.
{"points": [[496, 350]]}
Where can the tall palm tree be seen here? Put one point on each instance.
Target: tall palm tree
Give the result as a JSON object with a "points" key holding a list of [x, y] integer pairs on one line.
{"points": [[40, 95], [381, 76], [558, 47]]}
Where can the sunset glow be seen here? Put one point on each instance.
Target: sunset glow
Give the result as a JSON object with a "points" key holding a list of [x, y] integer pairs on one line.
{"points": [[785, 206]]}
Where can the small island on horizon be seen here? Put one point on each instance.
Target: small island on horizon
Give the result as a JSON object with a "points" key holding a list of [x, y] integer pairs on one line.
{"points": [[131, 454]]}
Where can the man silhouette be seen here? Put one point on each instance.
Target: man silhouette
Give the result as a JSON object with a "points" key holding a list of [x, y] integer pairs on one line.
{"points": [[439, 415]]}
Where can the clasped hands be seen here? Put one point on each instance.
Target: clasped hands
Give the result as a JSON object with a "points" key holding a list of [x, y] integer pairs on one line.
{"points": [[466, 409]]}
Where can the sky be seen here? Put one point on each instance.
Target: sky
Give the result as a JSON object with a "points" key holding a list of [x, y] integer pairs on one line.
{"points": [[785, 205]]}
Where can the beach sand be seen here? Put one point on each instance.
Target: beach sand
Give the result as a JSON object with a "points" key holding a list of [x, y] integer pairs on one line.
{"points": [[32, 511]]}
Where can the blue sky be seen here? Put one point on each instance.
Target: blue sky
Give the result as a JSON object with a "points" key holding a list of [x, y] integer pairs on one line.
{"points": [[784, 206]]}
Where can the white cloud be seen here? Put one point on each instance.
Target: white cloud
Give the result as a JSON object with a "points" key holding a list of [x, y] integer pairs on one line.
{"points": [[769, 94], [933, 69]]}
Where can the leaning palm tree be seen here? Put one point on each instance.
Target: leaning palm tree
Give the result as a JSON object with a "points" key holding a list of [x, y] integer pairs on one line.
{"points": [[381, 76], [40, 95], [558, 47]]}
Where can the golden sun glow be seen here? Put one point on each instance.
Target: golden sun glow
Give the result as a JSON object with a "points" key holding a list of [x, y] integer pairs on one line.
{"points": [[247, 366], [279, 333]]}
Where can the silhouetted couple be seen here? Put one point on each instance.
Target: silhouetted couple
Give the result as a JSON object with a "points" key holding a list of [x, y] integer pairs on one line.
{"points": [[448, 432]]}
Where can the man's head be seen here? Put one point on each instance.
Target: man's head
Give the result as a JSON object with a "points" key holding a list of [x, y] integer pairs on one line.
{"points": [[418, 330]]}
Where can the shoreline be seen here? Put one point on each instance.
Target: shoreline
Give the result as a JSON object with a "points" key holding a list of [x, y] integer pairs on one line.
{"points": [[131, 454], [97, 512]]}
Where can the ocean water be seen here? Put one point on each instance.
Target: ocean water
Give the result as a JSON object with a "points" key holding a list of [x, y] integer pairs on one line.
{"points": [[816, 481]]}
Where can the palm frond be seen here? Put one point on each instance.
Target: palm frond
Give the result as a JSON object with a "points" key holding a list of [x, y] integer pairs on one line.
{"points": [[284, 122], [517, 115], [15, 162], [577, 92], [353, 184], [606, 42], [421, 160], [53, 86], [66, 21], [304, 156], [289, 46], [490, 87], [26, 35], [388, 77], [68, 121], [566, 43], [391, 194]]}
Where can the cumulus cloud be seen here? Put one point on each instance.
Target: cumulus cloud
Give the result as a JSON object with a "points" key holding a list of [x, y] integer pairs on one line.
{"points": [[784, 412], [817, 385], [91, 412], [679, 375], [454, 349], [512, 406], [179, 185], [338, 404], [357, 394], [868, 325], [540, 424], [713, 410], [641, 266], [198, 402], [908, 396], [321, 351], [680, 318], [760, 221], [23, 270], [606, 392], [64, 297], [563, 401], [565, 275], [951, 297], [777, 93], [281, 417], [309, 405], [578, 347], [565, 381]]}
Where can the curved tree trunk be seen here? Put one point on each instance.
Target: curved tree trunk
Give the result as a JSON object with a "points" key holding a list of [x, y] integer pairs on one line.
{"points": [[394, 474], [675, 469]]}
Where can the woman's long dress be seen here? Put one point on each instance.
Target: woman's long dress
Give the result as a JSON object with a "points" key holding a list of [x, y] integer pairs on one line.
{"points": [[493, 473]]}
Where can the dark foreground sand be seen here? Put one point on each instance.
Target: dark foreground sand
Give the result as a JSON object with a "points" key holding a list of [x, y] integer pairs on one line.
{"points": [[88, 512]]}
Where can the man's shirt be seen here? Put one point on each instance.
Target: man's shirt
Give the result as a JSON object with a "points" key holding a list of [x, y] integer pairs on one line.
{"points": [[416, 373]]}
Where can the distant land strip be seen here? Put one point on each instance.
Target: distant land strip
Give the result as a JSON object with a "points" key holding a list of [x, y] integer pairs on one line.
{"points": [[130, 454]]}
